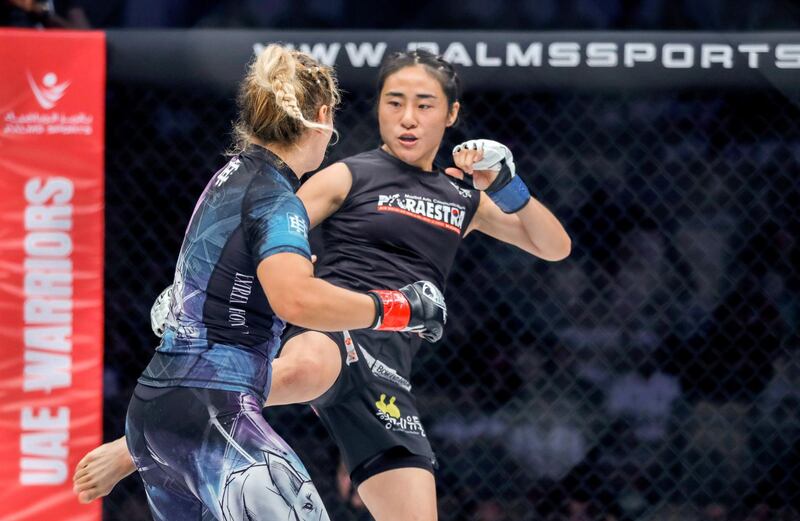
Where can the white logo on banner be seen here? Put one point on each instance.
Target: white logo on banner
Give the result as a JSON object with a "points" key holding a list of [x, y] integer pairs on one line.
{"points": [[50, 91]]}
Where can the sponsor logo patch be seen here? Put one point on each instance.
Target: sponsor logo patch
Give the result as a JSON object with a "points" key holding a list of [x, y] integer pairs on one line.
{"points": [[463, 191], [389, 413], [383, 371], [297, 224], [352, 356], [226, 173], [442, 214]]}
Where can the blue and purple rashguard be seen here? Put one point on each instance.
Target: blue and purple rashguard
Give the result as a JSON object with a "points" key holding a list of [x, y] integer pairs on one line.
{"points": [[194, 426]]}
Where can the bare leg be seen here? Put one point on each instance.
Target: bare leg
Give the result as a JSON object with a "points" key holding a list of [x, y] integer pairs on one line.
{"points": [[101, 469], [308, 366], [407, 494]]}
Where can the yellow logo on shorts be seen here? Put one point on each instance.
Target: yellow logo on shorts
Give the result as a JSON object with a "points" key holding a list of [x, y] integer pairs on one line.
{"points": [[388, 408], [391, 417]]}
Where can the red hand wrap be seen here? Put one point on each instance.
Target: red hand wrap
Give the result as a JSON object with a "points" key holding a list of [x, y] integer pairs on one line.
{"points": [[396, 310]]}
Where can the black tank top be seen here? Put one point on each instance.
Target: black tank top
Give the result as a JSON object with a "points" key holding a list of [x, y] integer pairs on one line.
{"points": [[398, 224]]}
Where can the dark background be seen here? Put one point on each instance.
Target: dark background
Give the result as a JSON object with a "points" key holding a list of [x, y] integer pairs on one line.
{"points": [[653, 375], [713, 15]]}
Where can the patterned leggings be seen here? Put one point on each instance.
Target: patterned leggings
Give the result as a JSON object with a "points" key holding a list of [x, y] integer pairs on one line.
{"points": [[207, 454]]}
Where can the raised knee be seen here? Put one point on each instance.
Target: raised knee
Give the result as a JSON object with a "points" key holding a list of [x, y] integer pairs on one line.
{"points": [[305, 375], [296, 370]]}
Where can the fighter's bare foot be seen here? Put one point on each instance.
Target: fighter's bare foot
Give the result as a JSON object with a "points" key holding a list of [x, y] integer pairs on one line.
{"points": [[101, 469]]}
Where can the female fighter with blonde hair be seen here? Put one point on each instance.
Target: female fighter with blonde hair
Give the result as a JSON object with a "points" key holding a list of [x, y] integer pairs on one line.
{"points": [[194, 424]]}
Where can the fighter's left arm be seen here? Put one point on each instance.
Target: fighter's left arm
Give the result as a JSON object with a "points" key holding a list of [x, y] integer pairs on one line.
{"points": [[533, 228], [506, 210]]}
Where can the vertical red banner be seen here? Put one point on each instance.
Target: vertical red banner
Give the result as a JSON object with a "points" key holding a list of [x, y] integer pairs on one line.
{"points": [[52, 111]]}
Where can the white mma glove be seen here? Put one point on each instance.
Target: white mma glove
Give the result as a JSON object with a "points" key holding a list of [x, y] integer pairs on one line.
{"points": [[494, 154], [159, 312], [507, 190]]}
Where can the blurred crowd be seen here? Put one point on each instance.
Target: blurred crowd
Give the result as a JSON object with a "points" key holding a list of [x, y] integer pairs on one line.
{"points": [[410, 14], [655, 374]]}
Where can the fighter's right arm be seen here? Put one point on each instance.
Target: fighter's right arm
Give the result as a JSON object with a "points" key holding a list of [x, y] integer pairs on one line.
{"points": [[299, 298], [275, 226]]}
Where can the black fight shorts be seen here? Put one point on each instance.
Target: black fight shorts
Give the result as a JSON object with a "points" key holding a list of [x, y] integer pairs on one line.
{"points": [[370, 409]]}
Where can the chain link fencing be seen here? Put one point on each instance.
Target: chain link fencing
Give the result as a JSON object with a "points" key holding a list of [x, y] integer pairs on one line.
{"points": [[653, 375]]}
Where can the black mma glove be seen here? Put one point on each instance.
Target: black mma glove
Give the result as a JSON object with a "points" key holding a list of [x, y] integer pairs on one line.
{"points": [[418, 307]]}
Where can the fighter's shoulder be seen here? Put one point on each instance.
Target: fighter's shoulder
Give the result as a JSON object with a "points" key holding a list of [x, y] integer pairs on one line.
{"points": [[368, 155], [364, 161], [265, 192]]}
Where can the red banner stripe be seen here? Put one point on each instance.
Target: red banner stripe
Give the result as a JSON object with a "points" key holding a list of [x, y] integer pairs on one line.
{"points": [[51, 267]]}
